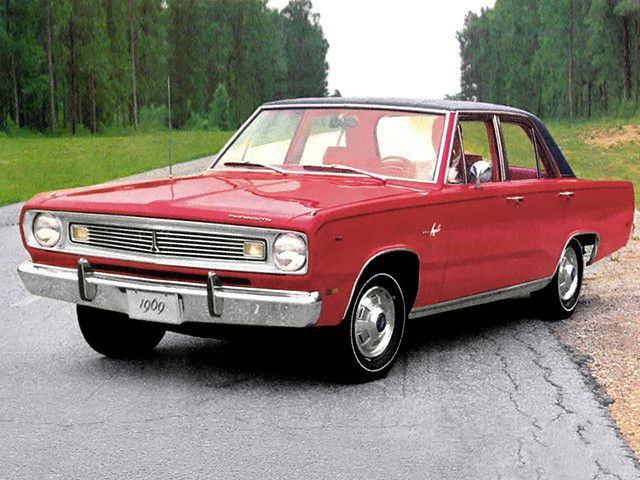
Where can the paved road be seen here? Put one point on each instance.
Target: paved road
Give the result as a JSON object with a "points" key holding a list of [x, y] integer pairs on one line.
{"points": [[484, 394]]}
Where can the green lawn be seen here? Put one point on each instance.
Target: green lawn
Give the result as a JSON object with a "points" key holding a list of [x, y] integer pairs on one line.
{"points": [[596, 149], [585, 146], [32, 164], [601, 149]]}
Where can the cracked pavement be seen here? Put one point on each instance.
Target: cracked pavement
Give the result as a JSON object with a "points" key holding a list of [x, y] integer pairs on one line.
{"points": [[484, 393]]}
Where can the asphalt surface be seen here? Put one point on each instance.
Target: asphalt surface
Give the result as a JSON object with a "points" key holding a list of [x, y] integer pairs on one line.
{"points": [[486, 393]]}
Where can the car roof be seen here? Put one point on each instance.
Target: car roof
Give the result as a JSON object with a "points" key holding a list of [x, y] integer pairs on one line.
{"points": [[446, 105]]}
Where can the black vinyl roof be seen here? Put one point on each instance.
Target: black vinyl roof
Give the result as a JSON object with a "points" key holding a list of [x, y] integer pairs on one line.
{"points": [[447, 105], [444, 105]]}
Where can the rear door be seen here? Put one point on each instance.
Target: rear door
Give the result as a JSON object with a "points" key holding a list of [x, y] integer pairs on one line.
{"points": [[531, 191]]}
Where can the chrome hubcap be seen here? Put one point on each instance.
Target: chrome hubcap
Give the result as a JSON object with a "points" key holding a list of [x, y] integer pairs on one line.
{"points": [[568, 274], [374, 323]]}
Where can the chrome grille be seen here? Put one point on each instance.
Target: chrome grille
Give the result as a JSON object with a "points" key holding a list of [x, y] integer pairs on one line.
{"points": [[172, 243], [200, 245], [120, 238]]}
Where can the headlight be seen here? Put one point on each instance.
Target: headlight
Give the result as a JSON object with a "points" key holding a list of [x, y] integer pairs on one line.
{"points": [[47, 230], [290, 252]]}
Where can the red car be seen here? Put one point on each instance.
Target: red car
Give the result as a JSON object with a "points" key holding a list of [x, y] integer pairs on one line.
{"points": [[355, 214]]}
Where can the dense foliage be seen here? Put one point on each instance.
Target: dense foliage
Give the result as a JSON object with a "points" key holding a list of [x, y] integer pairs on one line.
{"points": [[554, 57], [91, 64]]}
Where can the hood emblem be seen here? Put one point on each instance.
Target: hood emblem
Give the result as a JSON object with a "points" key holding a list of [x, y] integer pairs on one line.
{"points": [[154, 243], [246, 217]]}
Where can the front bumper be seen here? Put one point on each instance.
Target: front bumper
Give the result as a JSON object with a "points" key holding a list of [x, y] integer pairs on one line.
{"points": [[198, 303]]}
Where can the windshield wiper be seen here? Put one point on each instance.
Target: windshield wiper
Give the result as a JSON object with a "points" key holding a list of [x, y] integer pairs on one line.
{"points": [[337, 166], [250, 164]]}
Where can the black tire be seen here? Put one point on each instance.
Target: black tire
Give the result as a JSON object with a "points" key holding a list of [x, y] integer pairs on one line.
{"points": [[552, 305], [354, 366], [115, 335]]}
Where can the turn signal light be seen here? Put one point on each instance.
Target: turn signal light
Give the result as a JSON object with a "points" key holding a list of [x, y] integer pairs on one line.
{"points": [[79, 233], [254, 249]]}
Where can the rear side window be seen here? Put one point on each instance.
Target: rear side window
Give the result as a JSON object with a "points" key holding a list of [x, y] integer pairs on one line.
{"points": [[521, 152]]}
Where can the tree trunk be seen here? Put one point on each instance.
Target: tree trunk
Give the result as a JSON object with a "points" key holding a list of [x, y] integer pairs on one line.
{"points": [[73, 109], [52, 87], [570, 62], [627, 58], [14, 75], [16, 101], [132, 45], [589, 95], [94, 115]]}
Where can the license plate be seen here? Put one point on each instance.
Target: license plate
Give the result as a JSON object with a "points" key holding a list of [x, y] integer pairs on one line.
{"points": [[155, 307]]}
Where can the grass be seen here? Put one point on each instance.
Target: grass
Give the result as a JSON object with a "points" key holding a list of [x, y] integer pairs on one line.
{"points": [[31, 164], [602, 149], [583, 143]]}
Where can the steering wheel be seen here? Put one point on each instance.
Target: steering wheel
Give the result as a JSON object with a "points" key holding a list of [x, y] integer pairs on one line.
{"points": [[397, 166]]}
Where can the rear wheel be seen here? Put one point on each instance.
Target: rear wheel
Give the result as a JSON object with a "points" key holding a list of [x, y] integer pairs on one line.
{"points": [[558, 300], [116, 335], [371, 334]]}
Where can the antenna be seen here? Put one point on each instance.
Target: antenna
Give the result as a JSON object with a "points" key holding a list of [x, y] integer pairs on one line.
{"points": [[170, 129]]}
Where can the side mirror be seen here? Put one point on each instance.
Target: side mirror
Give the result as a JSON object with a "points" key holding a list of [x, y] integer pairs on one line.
{"points": [[480, 172]]}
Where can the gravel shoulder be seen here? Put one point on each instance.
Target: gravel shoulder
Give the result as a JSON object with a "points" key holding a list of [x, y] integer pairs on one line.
{"points": [[610, 340]]}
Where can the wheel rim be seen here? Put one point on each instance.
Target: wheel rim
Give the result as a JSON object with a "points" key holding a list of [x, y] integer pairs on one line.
{"points": [[568, 274], [374, 322]]}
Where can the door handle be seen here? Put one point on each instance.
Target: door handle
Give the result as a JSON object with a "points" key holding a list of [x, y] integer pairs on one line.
{"points": [[517, 200], [567, 195]]}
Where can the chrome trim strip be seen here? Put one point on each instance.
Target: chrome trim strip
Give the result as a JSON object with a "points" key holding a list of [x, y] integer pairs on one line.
{"points": [[65, 245], [481, 298], [497, 135], [444, 157], [234, 305], [503, 293], [447, 159], [354, 106]]}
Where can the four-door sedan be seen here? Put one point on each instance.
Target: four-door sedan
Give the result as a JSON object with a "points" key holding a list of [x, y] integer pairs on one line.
{"points": [[345, 213]]}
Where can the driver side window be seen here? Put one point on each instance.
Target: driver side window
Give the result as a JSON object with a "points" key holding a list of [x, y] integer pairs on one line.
{"points": [[474, 142]]}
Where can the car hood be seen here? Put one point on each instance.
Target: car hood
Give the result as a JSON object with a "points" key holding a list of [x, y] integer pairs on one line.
{"points": [[240, 197]]}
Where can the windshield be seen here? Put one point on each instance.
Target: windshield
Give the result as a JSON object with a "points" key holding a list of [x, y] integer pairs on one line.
{"points": [[381, 142]]}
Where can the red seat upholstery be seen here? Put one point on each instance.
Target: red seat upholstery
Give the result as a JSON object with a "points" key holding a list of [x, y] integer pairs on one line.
{"points": [[341, 156], [519, 173]]}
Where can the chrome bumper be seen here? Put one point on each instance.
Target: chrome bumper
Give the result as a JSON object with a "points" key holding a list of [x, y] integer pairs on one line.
{"points": [[210, 303]]}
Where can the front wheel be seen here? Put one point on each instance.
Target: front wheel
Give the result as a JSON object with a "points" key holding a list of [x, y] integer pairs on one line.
{"points": [[371, 334], [116, 335], [558, 300]]}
